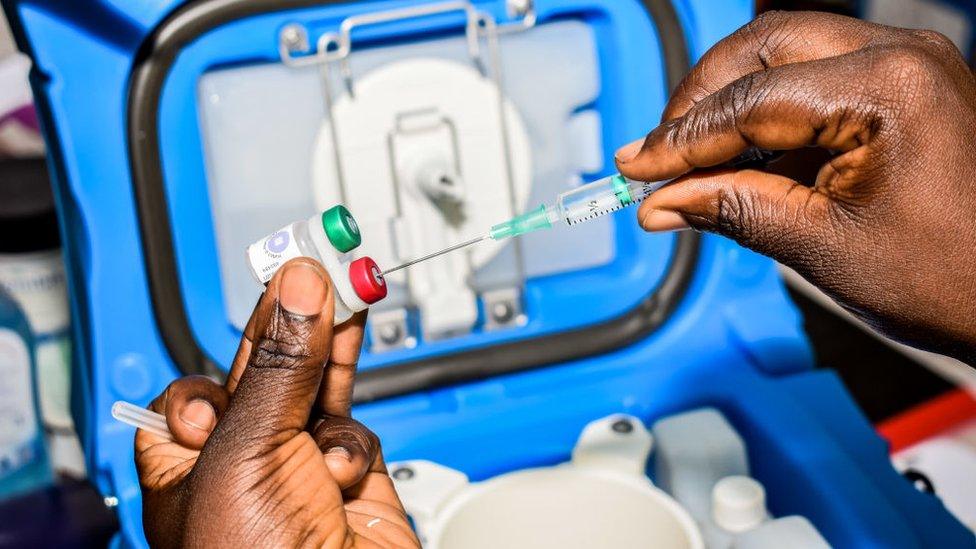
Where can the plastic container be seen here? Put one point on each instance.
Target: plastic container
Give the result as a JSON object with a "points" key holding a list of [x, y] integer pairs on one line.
{"points": [[668, 322], [326, 237], [23, 460], [600, 498], [32, 273]]}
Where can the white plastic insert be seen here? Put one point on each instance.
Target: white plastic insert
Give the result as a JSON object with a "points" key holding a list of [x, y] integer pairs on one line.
{"points": [[421, 154], [269, 161]]}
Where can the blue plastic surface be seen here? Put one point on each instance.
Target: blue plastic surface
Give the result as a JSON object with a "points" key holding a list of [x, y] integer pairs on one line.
{"points": [[734, 342]]}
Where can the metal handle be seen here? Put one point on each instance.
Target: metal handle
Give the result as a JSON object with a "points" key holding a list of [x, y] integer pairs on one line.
{"points": [[336, 46]]}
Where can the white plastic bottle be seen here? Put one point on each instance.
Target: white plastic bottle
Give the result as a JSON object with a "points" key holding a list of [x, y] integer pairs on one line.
{"points": [[326, 237]]}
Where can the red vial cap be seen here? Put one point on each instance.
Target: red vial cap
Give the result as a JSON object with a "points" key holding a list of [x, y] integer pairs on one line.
{"points": [[366, 280]]}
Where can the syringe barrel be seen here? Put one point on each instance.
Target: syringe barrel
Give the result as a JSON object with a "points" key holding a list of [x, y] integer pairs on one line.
{"points": [[601, 197]]}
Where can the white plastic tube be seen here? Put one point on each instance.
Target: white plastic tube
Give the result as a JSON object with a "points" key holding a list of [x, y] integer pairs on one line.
{"points": [[141, 418]]}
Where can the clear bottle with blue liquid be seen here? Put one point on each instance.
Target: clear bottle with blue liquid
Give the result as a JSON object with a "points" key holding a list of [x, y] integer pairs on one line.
{"points": [[23, 460]]}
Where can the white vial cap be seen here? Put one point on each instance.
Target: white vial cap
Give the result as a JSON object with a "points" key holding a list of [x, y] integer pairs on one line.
{"points": [[738, 503]]}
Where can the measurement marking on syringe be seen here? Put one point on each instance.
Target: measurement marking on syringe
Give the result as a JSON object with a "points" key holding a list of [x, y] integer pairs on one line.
{"points": [[594, 215]]}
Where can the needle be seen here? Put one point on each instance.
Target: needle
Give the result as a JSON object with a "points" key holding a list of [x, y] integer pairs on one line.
{"points": [[435, 254]]}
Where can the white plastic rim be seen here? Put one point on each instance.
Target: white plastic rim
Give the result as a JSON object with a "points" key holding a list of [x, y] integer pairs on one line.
{"points": [[562, 507]]}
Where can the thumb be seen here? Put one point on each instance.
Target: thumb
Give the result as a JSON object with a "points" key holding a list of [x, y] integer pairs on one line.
{"points": [[771, 214], [290, 337]]}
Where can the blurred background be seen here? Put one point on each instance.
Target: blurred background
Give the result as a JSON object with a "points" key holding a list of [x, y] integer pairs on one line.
{"points": [[917, 400]]}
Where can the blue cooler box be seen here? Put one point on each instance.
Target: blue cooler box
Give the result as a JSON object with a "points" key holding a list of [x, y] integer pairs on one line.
{"points": [[167, 120]]}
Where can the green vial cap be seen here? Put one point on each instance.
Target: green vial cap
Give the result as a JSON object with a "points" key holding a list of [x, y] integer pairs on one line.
{"points": [[341, 228]]}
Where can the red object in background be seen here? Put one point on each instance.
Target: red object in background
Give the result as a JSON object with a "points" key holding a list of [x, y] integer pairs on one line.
{"points": [[928, 419]]}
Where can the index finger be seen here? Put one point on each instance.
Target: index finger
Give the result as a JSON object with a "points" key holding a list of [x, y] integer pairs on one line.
{"points": [[335, 394], [779, 109]]}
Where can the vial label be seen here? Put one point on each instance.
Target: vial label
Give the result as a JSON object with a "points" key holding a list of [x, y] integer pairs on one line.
{"points": [[267, 255]]}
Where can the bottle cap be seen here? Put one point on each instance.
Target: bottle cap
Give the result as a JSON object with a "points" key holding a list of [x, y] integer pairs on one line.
{"points": [[366, 280], [738, 503], [341, 229]]}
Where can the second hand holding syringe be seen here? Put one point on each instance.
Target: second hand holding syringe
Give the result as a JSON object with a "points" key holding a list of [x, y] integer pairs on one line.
{"points": [[579, 205]]}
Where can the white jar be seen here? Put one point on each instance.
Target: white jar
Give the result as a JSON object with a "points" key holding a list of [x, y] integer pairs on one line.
{"points": [[327, 238]]}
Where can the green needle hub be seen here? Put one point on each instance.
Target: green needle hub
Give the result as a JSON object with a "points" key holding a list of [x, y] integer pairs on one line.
{"points": [[525, 223]]}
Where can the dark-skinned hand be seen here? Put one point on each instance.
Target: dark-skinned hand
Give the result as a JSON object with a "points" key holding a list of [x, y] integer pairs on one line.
{"points": [[272, 458], [889, 227]]}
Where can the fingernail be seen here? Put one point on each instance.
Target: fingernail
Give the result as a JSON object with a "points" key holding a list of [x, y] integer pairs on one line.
{"points": [[302, 290], [339, 451], [664, 220], [629, 151], [199, 414]]}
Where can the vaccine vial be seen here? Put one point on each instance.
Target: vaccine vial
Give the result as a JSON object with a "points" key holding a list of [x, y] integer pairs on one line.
{"points": [[328, 238]]}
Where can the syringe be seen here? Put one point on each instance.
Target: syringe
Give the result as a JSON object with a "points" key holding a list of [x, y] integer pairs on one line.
{"points": [[588, 202], [579, 205]]}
